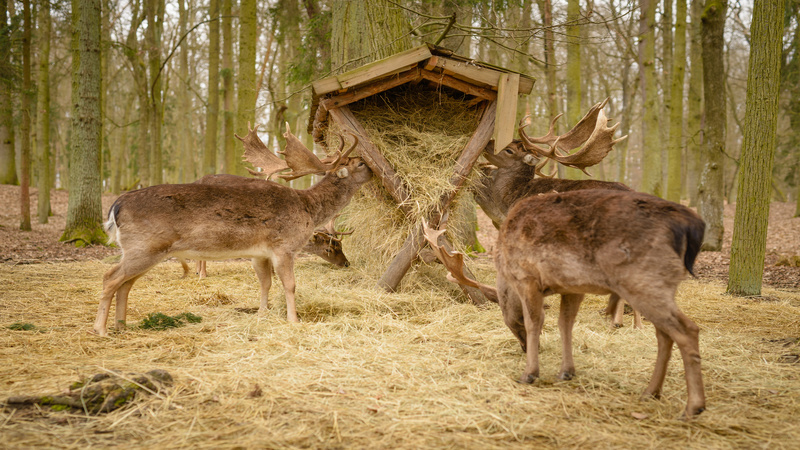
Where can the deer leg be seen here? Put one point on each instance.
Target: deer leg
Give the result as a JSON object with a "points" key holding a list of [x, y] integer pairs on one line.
{"points": [[284, 267], [184, 266], [617, 308], [201, 269], [263, 268], [660, 372], [121, 309], [570, 303], [637, 318], [689, 344], [132, 266], [533, 313]]}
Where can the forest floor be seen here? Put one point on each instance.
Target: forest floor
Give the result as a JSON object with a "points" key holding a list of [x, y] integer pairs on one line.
{"points": [[41, 245]]}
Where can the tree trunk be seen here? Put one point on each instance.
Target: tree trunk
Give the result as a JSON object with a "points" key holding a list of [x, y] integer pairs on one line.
{"points": [[227, 89], [574, 112], [711, 198], [8, 163], [546, 10], [186, 172], [246, 93], [25, 127], [212, 111], [665, 85], [694, 121], [674, 163], [155, 20], [758, 150], [84, 213], [651, 145], [43, 115]]}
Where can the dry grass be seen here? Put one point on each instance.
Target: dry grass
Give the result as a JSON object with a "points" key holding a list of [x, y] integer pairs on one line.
{"points": [[366, 369]]}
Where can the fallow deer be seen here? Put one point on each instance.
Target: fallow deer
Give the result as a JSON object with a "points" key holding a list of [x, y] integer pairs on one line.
{"points": [[516, 166], [267, 222], [624, 243], [325, 242]]}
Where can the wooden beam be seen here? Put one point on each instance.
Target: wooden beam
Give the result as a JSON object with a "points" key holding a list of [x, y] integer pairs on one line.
{"points": [[455, 83], [376, 69], [372, 156], [371, 89], [415, 240], [473, 72], [507, 96]]}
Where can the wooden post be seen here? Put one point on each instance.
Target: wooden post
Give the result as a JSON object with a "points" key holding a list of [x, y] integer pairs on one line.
{"points": [[416, 240]]}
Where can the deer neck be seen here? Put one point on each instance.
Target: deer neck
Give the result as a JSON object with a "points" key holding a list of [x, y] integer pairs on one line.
{"points": [[328, 197]]}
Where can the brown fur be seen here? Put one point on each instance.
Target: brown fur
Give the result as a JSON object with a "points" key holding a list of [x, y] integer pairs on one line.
{"points": [[267, 222], [630, 244]]}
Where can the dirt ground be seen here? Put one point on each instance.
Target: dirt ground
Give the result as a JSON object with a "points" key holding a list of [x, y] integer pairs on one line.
{"points": [[41, 245]]}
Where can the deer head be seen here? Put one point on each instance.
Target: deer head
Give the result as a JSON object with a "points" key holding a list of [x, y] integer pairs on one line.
{"points": [[298, 157], [591, 132]]}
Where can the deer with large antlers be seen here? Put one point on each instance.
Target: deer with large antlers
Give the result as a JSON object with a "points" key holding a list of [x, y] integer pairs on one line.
{"points": [[515, 167], [623, 243], [326, 241], [266, 222]]}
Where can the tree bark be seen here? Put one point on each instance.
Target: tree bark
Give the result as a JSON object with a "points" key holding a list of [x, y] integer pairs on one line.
{"points": [[651, 145], [227, 89], [84, 213], [758, 150], [25, 126], [574, 112], [694, 121], [155, 20], [711, 189], [246, 93], [674, 161], [186, 173], [8, 163], [212, 110], [43, 116]]}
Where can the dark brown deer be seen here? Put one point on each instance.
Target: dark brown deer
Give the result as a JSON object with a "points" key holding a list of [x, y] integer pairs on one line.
{"points": [[516, 166], [267, 222], [629, 244], [325, 242]]}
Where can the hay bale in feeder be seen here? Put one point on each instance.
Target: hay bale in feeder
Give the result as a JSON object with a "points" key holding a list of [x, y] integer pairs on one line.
{"points": [[421, 133]]}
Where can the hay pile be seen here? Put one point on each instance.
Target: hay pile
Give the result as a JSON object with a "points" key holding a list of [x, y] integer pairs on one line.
{"points": [[421, 133], [367, 369]]}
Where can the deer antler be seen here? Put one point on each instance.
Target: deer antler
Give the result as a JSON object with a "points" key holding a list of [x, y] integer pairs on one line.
{"points": [[257, 154], [303, 161], [592, 130], [330, 228], [454, 263]]}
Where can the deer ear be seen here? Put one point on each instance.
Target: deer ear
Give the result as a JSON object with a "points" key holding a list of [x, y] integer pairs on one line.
{"points": [[343, 172], [530, 160]]}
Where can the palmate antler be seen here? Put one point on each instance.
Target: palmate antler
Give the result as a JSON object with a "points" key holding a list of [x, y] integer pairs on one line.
{"points": [[591, 131], [298, 158], [455, 263]]}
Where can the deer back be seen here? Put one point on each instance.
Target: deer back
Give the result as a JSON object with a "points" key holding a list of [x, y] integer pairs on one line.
{"points": [[598, 241]]}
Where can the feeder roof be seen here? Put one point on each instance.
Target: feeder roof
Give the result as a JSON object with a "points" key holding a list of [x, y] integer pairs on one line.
{"points": [[438, 65]]}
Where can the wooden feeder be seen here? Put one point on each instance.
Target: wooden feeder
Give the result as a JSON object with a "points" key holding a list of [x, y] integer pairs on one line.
{"points": [[491, 88]]}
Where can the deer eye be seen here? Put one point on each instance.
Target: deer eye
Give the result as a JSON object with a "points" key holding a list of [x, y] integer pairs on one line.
{"points": [[508, 151], [361, 164]]}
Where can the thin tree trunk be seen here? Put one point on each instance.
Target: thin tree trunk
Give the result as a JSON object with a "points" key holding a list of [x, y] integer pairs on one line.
{"points": [[694, 121], [674, 165], [212, 111], [758, 150], [155, 18], [227, 89], [43, 116], [8, 164], [186, 173], [574, 112], [25, 127], [651, 146], [84, 213], [246, 93], [711, 189], [666, 84]]}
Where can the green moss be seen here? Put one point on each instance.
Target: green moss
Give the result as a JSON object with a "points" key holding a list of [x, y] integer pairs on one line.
{"points": [[59, 407], [85, 236], [161, 321], [19, 326]]}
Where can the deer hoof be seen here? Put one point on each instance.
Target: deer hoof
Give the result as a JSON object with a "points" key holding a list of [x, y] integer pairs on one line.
{"points": [[527, 378], [567, 375]]}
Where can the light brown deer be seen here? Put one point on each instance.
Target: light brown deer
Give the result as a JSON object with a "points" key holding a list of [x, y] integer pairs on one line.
{"points": [[516, 166], [325, 242], [628, 244], [267, 222]]}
